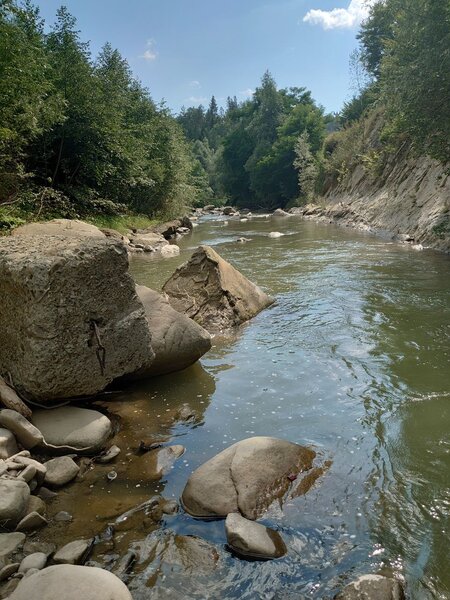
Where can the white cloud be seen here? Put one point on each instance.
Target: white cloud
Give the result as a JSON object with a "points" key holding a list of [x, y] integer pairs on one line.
{"points": [[195, 84], [248, 93], [342, 18], [150, 53]]}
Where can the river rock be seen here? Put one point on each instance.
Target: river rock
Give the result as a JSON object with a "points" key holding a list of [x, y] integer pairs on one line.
{"points": [[372, 587], [37, 560], [253, 540], [10, 542], [27, 434], [156, 463], [228, 210], [246, 477], [177, 340], [14, 494], [40, 470], [71, 582], [275, 234], [60, 471], [36, 504], [70, 427], [194, 555], [112, 453], [8, 570], [213, 293], [279, 212], [71, 321], [8, 445], [65, 227], [31, 522], [73, 553], [170, 250], [155, 240]]}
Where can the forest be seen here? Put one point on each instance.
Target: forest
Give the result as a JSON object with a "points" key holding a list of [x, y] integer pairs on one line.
{"points": [[80, 136]]}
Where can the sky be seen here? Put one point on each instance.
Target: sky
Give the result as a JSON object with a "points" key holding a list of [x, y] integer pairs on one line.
{"points": [[184, 51]]}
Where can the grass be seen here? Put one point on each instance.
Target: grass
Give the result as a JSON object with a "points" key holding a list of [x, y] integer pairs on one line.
{"points": [[121, 223]]}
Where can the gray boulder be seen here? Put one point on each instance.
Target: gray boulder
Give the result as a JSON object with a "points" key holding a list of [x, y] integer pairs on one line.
{"points": [[246, 477], [14, 495], [72, 428], [60, 471], [8, 445], [27, 434], [71, 321], [31, 522], [213, 293], [37, 560], [71, 582], [177, 340], [253, 540], [372, 587], [279, 212]]}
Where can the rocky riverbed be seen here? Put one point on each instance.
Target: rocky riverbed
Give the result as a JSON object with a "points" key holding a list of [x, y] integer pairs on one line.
{"points": [[118, 491]]}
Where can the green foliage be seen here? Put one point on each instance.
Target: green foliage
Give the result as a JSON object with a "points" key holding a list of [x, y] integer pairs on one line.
{"points": [[406, 46], [84, 130]]}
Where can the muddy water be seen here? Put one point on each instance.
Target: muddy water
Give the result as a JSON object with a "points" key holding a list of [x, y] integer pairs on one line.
{"points": [[354, 360]]}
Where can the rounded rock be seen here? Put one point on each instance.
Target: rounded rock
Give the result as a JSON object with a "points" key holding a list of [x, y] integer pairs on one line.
{"points": [[88, 583]]}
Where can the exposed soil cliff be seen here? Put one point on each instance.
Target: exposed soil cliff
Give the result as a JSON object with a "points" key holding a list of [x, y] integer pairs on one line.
{"points": [[409, 198]]}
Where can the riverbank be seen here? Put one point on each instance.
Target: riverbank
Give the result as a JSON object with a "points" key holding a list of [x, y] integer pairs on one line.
{"points": [[409, 200]]}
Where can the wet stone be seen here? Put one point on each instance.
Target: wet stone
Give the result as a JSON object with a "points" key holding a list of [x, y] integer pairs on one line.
{"points": [[60, 471], [73, 553], [253, 540]]}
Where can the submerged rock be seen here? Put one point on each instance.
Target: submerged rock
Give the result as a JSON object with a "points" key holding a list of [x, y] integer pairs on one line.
{"points": [[246, 477], [275, 234], [177, 340], [156, 463], [72, 428], [194, 555], [372, 587], [71, 321], [71, 582], [213, 293], [253, 540]]}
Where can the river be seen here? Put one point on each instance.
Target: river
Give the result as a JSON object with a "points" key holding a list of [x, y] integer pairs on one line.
{"points": [[352, 359]]}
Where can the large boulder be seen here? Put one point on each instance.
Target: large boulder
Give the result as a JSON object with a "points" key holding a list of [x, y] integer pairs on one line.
{"points": [[253, 540], [65, 227], [71, 582], [372, 587], [69, 315], [213, 293], [71, 428], [246, 477], [177, 340]]}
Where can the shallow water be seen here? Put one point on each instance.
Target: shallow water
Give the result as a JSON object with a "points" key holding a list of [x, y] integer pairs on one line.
{"points": [[354, 360]]}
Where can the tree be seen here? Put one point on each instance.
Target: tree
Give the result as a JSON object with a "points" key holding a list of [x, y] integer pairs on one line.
{"points": [[306, 166]]}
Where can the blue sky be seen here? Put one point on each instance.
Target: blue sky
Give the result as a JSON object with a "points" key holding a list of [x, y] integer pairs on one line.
{"points": [[186, 50]]}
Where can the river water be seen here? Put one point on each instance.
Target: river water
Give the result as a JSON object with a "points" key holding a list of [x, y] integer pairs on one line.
{"points": [[353, 359]]}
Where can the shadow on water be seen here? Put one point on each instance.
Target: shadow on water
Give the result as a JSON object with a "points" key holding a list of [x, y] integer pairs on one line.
{"points": [[353, 359]]}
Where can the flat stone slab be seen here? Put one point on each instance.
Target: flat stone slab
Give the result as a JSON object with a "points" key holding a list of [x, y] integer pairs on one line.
{"points": [[253, 540], [246, 477], [73, 553], [71, 427], [71, 582], [60, 471]]}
